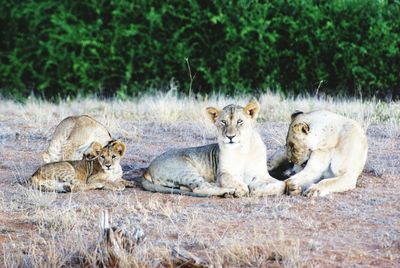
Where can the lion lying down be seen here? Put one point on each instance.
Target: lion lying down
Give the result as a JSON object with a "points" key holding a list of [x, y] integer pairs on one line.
{"points": [[328, 151], [236, 165], [99, 169]]}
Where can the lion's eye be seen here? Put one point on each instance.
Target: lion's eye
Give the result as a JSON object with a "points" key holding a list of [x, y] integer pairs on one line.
{"points": [[223, 122], [102, 156], [240, 121], [113, 157]]}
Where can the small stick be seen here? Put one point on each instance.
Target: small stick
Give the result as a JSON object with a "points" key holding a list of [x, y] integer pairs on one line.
{"points": [[186, 258]]}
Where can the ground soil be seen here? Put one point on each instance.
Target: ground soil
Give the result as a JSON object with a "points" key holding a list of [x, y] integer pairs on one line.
{"points": [[356, 228]]}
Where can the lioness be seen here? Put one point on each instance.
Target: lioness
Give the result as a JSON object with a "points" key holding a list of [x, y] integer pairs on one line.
{"points": [[99, 169], [73, 136], [235, 165], [329, 149]]}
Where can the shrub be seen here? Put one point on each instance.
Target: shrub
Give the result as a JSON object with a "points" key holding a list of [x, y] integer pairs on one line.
{"points": [[60, 48]]}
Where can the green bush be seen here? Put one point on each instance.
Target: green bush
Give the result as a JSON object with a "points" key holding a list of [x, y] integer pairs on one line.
{"points": [[65, 48]]}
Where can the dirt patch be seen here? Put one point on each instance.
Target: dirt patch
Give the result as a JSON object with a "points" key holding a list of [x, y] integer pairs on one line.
{"points": [[356, 228]]}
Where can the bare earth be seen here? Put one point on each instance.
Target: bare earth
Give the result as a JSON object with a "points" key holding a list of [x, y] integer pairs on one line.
{"points": [[356, 228]]}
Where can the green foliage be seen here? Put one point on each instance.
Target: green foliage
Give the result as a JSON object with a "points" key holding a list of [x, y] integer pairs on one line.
{"points": [[64, 48]]}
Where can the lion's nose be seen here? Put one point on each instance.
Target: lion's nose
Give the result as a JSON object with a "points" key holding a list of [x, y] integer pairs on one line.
{"points": [[230, 137], [108, 165]]}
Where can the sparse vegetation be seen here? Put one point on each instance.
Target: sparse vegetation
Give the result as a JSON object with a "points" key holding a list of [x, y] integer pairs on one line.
{"points": [[356, 228]]}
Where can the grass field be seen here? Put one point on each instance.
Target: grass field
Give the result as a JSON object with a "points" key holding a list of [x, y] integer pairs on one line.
{"points": [[356, 228]]}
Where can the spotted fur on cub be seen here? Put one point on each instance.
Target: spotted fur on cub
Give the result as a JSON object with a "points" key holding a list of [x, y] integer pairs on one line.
{"points": [[99, 169]]}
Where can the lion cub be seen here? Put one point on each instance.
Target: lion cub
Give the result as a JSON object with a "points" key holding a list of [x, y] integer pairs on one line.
{"points": [[73, 137], [235, 165], [99, 169]]}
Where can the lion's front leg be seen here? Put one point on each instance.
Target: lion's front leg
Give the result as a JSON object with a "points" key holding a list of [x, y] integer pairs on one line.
{"points": [[128, 184], [212, 189], [266, 186], [227, 180], [336, 184], [102, 182], [316, 165], [81, 187]]}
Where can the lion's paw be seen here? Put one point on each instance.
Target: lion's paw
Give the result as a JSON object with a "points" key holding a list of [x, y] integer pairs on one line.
{"points": [[313, 190], [240, 192], [119, 187], [129, 184], [98, 185], [229, 193], [66, 189], [292, 188]]}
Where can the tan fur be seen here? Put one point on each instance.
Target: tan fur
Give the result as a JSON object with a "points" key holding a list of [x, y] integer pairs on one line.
{"points": [[334, 149], [73, 136], [99, 169], [235, 165]]}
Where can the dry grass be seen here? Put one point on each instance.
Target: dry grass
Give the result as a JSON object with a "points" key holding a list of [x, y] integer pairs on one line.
{"points": [[168, 108], [358, 228]]}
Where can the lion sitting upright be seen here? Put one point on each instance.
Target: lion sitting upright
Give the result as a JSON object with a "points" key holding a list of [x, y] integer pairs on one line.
{"points": [[235, 165], [72, 138], [329, 150]]}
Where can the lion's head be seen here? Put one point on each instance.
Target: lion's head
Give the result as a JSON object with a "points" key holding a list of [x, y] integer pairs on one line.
{"points": [[108, 156], [235, 124], [298, 150]]}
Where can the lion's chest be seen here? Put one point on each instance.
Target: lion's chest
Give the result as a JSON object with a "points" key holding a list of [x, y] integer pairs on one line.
{"points": [[114, 174], [243, 167]]}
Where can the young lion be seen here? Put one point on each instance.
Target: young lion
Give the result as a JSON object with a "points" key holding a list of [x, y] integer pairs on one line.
{"points": [[235, 165], [99, 169], [331, 148], [73, 136]]}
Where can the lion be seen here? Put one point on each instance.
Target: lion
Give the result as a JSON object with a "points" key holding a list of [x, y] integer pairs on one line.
{"points": [[235, 166], [73, 136], [98, 169], [328, 152]]}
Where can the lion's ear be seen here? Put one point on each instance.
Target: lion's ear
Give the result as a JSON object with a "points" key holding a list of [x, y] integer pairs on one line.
{"points": [[213, 113], [93, 151], [295, 114], [252, 108], [96, 148], [119, 147], [301, 128]]}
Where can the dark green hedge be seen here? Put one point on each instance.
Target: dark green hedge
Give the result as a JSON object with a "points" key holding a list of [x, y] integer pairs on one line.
{"points": [[60, 48]]}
